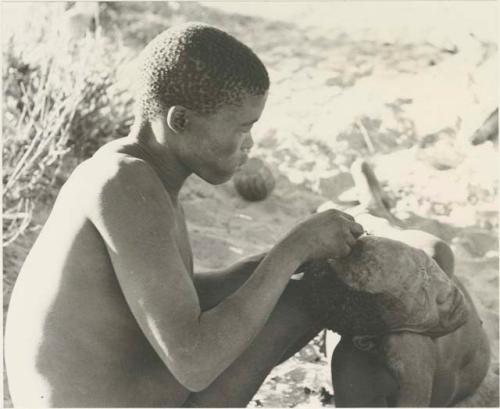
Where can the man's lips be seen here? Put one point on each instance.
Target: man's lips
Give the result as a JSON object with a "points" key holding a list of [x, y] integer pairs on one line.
{"points": [[243, 160]]}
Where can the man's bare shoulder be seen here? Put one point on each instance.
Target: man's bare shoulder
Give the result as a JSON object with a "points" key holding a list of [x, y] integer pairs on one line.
{"points": [[117, 178], [109, 166]]}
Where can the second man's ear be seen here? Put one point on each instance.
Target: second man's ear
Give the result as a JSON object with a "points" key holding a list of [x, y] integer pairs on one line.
{"points": [[365, 342], [177, 118]]}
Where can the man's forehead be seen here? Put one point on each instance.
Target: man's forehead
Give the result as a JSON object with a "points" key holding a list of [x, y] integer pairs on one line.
{"points": [[247, 111]]}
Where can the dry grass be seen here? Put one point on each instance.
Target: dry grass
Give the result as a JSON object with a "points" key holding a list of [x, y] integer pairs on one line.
{"points": [[59, 108]]}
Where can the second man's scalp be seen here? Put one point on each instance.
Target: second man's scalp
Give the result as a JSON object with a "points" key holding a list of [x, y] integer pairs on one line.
{"points": [[199, 67]]}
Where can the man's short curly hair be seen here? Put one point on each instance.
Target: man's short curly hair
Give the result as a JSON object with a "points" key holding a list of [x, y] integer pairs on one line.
{"points": [[199, 67]]}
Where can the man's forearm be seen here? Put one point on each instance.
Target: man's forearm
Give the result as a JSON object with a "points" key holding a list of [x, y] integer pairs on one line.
{"points": [[214, 286], [229, 327]]}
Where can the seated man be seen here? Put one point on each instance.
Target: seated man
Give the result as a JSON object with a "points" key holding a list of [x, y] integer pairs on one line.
{"points": [[407, 368], [107, 310]]}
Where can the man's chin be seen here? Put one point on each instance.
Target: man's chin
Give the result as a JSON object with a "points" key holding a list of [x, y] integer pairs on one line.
{"points": [[217, 179]]}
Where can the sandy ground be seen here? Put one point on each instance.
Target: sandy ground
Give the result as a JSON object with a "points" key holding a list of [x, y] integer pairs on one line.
{"points": [[390, 89], [304, 380]]}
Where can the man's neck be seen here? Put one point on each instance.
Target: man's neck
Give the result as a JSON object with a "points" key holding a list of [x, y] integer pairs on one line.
{"points": [[170, 170]]}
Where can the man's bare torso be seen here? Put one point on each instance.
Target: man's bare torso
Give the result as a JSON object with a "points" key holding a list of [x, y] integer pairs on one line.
{"points": [[70, 331]]}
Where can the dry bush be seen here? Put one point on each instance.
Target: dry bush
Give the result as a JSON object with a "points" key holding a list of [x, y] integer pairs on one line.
{"points": [[60, 105]]}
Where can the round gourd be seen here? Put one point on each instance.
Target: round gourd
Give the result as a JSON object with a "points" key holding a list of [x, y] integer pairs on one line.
{"points": [[254, 180]]}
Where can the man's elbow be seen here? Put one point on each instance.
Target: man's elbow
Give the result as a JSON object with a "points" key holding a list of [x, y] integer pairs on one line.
{"points": [[194, 384], [194, 374]]}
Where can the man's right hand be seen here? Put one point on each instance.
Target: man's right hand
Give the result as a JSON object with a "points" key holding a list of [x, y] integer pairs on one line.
{"points": [[329, 234]]}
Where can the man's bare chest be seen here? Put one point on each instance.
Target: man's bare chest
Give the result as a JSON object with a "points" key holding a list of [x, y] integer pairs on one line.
{"points": [[182, 240]]}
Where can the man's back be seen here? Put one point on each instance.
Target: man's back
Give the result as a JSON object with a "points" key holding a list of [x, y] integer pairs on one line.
{"points": [[70, 332]]}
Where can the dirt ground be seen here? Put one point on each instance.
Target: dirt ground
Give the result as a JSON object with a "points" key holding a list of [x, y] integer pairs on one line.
{"points": [[405, 91]]}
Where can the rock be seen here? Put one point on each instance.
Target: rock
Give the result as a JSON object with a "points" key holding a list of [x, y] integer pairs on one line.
{"points": [[440, 150], [487, 131], [334, 186], [477, 242]]}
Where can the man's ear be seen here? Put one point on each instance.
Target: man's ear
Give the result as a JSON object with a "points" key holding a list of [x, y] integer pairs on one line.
{"points": [[177, 118], [365, 342]]}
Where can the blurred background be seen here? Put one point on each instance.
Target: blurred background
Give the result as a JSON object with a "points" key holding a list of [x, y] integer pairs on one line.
{"points": [[410, 86]]}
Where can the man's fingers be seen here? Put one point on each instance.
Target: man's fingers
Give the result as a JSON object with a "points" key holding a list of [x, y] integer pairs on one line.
{"points": [[357, 230], [350, 240], [348, 216]]}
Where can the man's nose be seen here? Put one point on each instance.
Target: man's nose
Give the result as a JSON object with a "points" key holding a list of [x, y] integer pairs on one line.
{"points": [[444, 291]]}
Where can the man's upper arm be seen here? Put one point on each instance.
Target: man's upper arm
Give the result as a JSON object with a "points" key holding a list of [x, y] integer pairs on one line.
{"points": [[134, 215]]}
